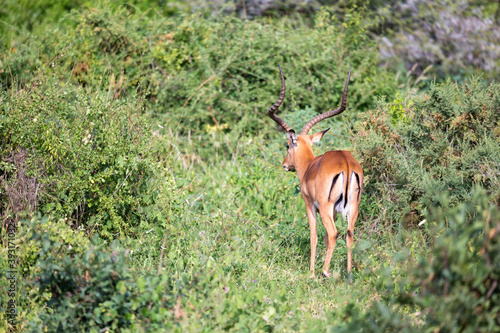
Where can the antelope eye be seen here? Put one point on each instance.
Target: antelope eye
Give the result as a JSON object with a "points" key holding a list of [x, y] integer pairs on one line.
{"points": [[287, 146]]}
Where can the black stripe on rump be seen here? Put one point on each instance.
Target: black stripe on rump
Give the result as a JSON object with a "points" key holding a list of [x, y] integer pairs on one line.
{"points": [[346, 182], [347, 188], [339, 200], [333, 184], [359, 185]]}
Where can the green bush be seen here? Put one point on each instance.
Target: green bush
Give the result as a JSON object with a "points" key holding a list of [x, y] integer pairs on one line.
{"points": [[30, 17], [204, 75], [94, 290], [455, 287], [151, 129], [99, 163], [412, 150]]}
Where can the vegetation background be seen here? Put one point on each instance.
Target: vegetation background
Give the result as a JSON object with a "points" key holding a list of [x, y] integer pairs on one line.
{"points": [[145, 179]]}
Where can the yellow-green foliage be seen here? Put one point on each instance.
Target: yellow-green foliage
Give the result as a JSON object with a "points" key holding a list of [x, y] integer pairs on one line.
{"points": [[74, 241], [454, 288], [96, 162], [442, 141], [196, 71], [151, 130]]}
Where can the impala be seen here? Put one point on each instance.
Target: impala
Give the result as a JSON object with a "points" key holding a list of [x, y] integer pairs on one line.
{"points": [[330, 183]]}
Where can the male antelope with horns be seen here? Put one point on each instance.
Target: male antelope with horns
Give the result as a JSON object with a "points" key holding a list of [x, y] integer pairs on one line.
{"points": [[330, 183]]}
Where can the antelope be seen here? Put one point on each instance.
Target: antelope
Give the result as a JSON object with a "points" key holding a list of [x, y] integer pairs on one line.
{"points": [[330, 183]]}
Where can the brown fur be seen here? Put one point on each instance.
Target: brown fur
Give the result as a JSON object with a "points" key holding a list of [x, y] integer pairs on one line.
{"points": [[316, 176]]}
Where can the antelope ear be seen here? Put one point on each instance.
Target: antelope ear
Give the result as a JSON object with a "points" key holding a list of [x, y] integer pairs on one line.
{"points": [[317, 136], [292, 137]]}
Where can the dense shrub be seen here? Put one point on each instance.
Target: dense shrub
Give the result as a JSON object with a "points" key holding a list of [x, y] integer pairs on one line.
{"points": [[100, 163], [89, 287], [30, 17], [454, 38], [414, 149], [100, 110], [455, 288], [209, 75]]}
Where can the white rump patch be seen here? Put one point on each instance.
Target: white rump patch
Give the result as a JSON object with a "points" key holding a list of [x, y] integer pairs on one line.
{"points": [[342, 206], [339, 202], [353, 186]]}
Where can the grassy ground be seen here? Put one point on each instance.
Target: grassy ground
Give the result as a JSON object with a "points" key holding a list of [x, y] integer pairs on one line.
{"points": [[146, 179]]}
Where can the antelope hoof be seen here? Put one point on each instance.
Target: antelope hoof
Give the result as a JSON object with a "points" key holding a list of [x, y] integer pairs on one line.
{"points": [[312, 276], [326, 274]]}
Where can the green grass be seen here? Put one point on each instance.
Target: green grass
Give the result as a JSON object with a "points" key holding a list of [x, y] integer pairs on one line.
{"points": [[246, 214], [164, 202]]}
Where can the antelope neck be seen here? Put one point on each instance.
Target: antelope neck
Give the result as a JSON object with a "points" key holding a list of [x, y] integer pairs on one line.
{"points": [[302, 163]]}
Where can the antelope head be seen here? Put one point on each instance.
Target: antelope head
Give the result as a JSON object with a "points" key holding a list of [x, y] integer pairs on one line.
{"points": [[301, 145]]}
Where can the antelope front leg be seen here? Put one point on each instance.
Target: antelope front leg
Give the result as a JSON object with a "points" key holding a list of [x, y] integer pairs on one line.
{"points": [[311, 215]]}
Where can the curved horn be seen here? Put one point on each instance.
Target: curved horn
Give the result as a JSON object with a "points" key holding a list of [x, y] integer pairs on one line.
{"points": [[276, 105], [331, 113]]}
